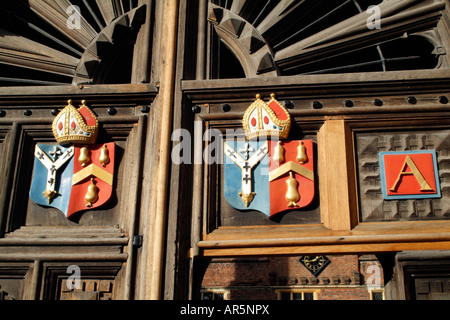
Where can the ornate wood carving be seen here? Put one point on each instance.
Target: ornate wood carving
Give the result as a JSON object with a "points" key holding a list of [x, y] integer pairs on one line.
{"points": [[90, 290], [291, 37], [20, 51], [124, 27], [64, 55], [225, 215], [54, 11], [97, 281], [34, 233], [351, 33], [32, 214], [243, 39]]}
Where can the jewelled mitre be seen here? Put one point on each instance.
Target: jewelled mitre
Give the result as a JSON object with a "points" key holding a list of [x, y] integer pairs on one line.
{"points": [[263, 119], [74, 125]]}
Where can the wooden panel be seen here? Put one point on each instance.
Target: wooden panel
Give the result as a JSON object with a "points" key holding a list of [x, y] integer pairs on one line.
{"points": [[327, 249], [432, 288], [372, 205], [23, 211], [98, 281], [229, 216], [334, 124], [99, 239], [365, 237], [218, 212], [422, 275], [12, 280], [7, 156], [90, 290]]}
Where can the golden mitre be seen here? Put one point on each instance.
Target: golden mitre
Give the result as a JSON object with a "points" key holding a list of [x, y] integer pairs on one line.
{"points": [[74, 125], [263, 119]]}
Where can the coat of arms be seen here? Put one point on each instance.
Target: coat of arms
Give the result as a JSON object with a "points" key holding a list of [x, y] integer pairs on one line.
{"points": [[76, 174], [266, 172]]}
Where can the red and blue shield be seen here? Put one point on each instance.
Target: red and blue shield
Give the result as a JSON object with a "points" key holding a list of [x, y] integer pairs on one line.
{"points": [[73, 178], [269, 176]]}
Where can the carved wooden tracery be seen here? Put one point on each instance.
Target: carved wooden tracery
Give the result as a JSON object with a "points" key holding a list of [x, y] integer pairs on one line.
{"points": [[301, 37], [37, 35]]}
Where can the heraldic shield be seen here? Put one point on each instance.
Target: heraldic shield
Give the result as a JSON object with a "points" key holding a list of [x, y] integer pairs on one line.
{"points": [[265, 173], [73, 177]]}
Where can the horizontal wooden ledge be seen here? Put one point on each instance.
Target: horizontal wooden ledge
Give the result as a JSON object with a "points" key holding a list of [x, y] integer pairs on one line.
{"points": [[64, 257], [8, 242], [319, 230], [355, 84], [77, 89], [348, 248], [425, 111], [327, 240], [48, 120], [90, 92], [301, 80]]}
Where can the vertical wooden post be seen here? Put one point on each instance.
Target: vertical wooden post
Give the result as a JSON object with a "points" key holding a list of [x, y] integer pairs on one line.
{"points": [[8, 176], [155, 255], [132, 209], [141, 55], [337, 176], [201, 42], [31, 289], [197, 202]]}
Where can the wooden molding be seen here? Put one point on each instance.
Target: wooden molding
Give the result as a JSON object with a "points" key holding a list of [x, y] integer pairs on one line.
{"points": [[319, 86], [95, 93], [337, 176], [302, 239]]}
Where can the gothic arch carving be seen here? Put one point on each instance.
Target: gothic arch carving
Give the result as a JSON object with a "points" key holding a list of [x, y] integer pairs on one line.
{"points": [[37, 47], [244, 41], [314, 37], [111, 37]]}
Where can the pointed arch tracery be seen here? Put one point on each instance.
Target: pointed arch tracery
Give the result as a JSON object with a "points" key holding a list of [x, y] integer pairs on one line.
{"points": [[39, 47], [292, 37]]}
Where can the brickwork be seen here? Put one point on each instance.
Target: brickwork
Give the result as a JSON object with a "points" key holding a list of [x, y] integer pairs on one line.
{"points": [[347, 277], [356, 293]]}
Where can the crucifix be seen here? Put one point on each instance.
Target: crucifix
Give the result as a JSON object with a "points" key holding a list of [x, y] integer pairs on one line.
{"points": [[246, 151]]}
